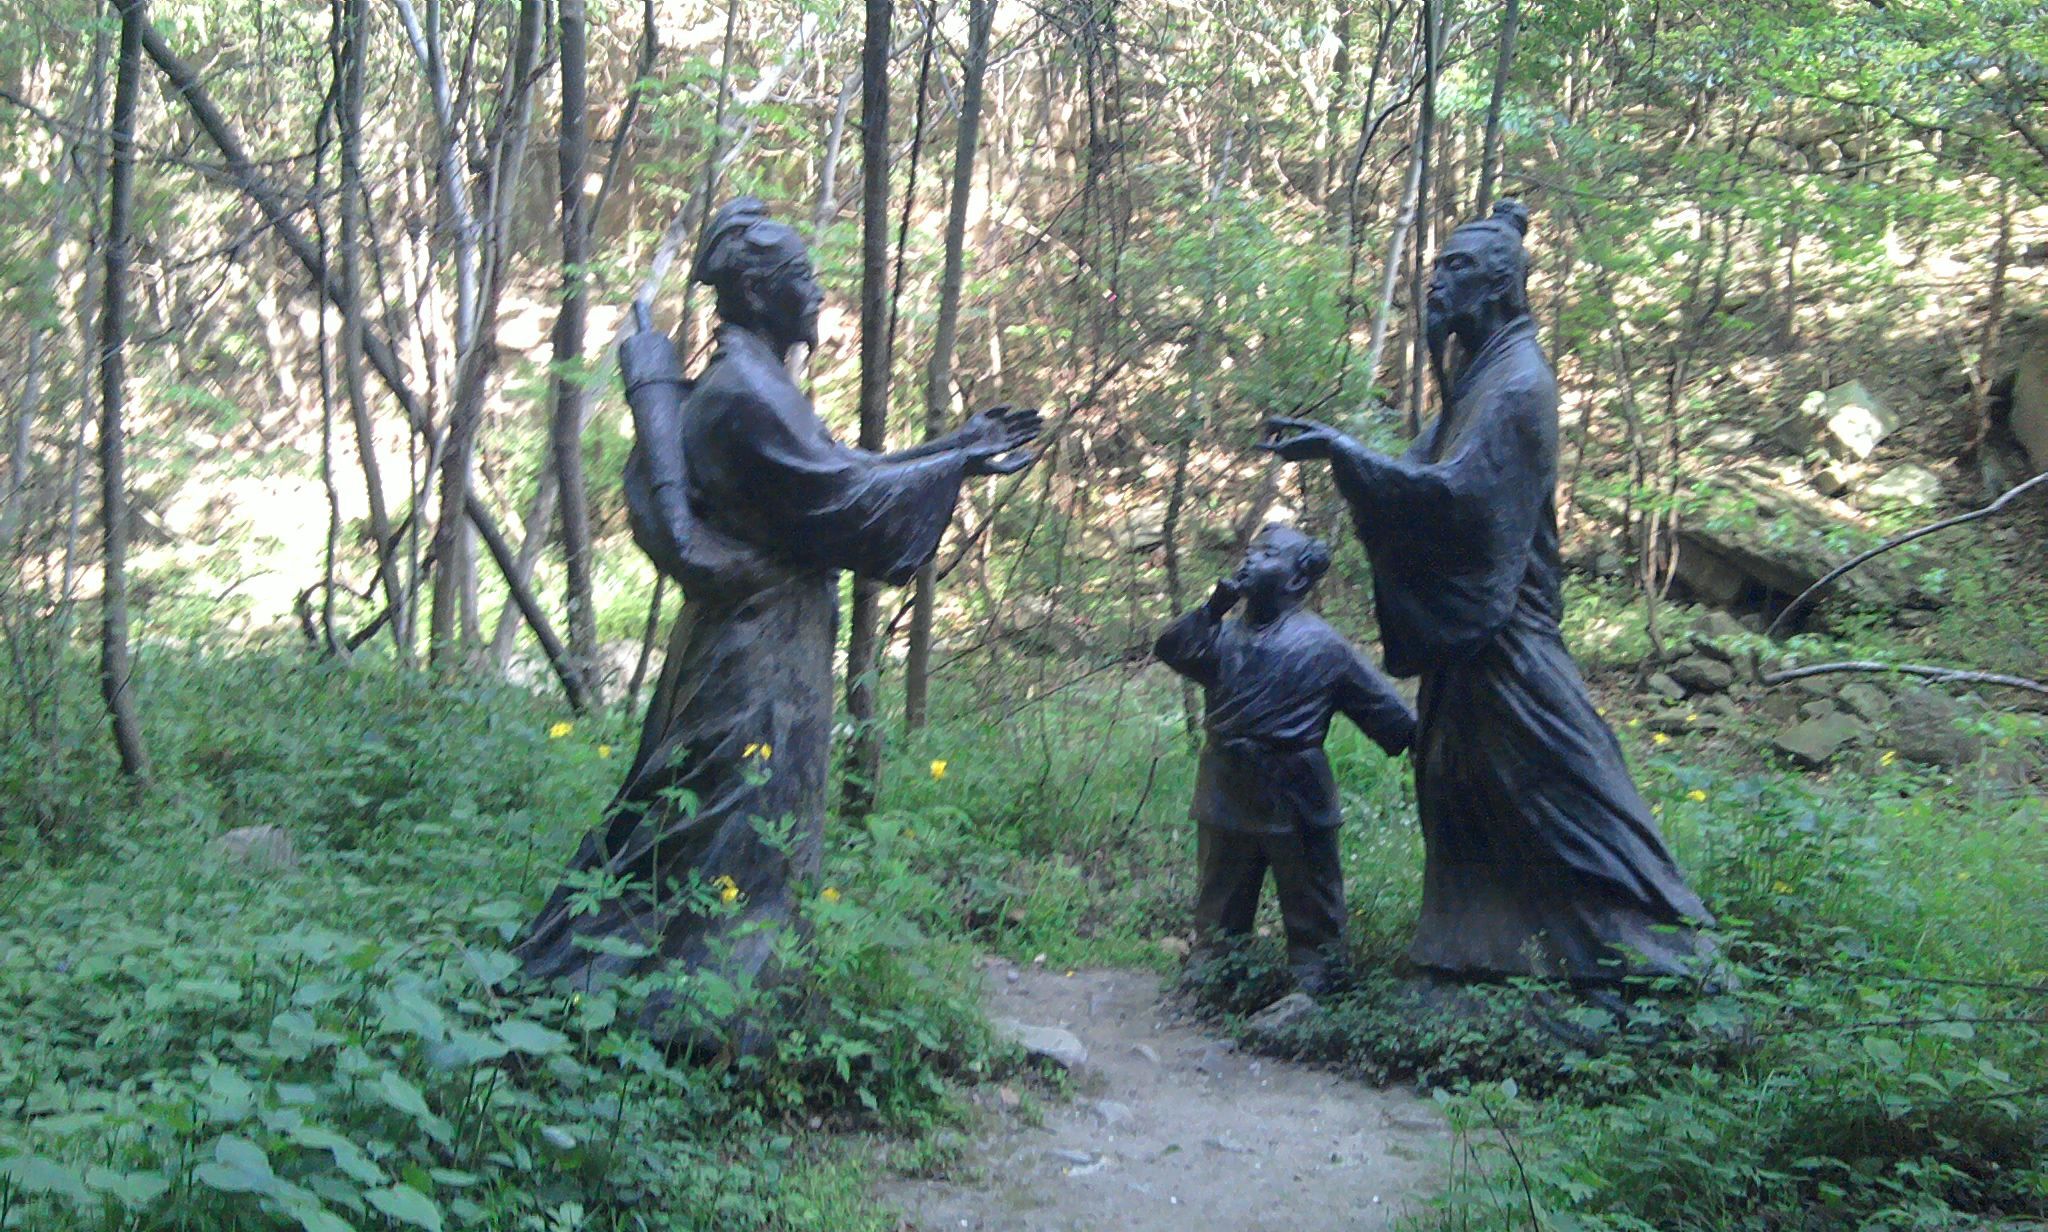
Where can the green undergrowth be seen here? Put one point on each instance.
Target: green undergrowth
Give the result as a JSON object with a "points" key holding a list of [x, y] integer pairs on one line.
{"points": [[196, 1043], [193, 1044]]}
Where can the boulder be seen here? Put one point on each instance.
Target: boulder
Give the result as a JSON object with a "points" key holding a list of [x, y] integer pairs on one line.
{"points": [[1847, 422], [1925, 727], [1836, 478], [2028, 417], [1059, 1046], [1866, 701], [1701, 674], [1665, 687], [1765, 537], [1814, 742], [1282, 1014], [1906, 484]]}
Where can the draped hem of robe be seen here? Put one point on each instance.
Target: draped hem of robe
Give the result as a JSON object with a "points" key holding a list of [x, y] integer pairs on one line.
{"points": [[1541, 856]]}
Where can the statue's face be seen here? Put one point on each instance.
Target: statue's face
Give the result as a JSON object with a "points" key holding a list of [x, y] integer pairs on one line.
{"points": [[790, 302], [1464, 281], [1271, 568]]}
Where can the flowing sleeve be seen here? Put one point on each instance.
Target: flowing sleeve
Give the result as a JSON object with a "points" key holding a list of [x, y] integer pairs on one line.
{"points": [[1189, 645], [817, 502], [1450, 530], [1369, 700], [656, 474]]}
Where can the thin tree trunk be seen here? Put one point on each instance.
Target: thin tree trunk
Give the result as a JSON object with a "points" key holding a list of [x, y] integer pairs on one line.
{"points": [[1994, 326], [864, 767], [939, 372], [566, 436], [243, 173], [116, 663], [356, 20], [1201, 365], [1390, 276], [540, 515], [1490, 151], [828, 173]]}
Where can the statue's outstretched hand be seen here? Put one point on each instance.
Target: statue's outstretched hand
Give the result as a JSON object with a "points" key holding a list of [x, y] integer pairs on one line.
{"points": [[1300, 440], [995, 440]]}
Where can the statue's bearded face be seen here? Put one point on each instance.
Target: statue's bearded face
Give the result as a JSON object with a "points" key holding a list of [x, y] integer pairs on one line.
{"points": [[1469, 276]]}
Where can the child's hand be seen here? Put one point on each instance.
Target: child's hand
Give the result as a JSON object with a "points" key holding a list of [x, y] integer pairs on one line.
{"points": [[1225, 596]]}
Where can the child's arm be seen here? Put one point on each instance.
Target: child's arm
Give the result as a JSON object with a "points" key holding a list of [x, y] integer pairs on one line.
{"points": [[1189, 644], [1369, 700]]}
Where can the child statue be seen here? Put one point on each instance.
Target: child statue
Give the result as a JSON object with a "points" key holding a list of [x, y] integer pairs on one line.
{"points": [[1264, 796]]}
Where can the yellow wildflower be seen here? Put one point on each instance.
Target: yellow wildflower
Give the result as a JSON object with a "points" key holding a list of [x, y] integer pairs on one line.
{"points": [[728, 889], [1659, 738], [560, 730], [1696, 796], [1963, 876], [1692, 718], [1779, 887], [1890, 756], [939, 768], [604, 750], [764, 751], [829, 894]]}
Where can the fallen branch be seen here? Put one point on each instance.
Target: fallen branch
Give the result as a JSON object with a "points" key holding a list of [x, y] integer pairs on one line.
{"points": [[1806, 597], [1946, 675]]}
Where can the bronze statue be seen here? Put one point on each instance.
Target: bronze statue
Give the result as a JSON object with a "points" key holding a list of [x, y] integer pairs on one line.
{"points": [[1264, 796], [736, 490], [1541, 857]]}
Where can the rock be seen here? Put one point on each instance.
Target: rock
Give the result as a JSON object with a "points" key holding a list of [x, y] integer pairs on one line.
{"points": [[1282, 1014], [1916, 618], [1720, 707], [1780, 705], [1059, 1046], [1728, 438], [1819, 708], [1700, 674], [1906, 484], [1814, 742], [1717, 634], [1923, 728], [1688, 723], [1848, 422], [1664, 686], [257, 849], [1222, 1143], [2027, 418], [1112, 1114], [1176, 946], [1836, 478], [1760, 541], [1146, 1051], [1866, 701]]}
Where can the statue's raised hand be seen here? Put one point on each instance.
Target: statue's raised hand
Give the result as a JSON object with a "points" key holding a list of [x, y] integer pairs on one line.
{"points": [[1301, 440], [994, 441]]}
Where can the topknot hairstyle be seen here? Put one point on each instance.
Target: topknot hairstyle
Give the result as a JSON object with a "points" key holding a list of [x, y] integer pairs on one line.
{"points": [[1508, 225], [742, 240]]}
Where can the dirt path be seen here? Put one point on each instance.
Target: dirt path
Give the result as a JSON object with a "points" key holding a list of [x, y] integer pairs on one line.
{"points": [[1175, 1130]]}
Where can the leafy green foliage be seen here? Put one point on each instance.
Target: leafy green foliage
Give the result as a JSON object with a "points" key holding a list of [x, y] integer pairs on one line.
{"points": [[195, 1041]]}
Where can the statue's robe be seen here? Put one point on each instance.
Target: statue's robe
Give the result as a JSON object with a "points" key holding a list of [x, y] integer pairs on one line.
{"points": [[736, 490], [1540, 855]]}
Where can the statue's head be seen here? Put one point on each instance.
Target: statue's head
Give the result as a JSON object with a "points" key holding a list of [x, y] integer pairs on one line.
{"points": [[761, 273], [1482, 275], [1281, 566]]}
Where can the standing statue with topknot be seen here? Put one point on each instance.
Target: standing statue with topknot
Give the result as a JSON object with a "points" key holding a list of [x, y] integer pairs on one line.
{"points": [[1540, 857], [736, 490]]}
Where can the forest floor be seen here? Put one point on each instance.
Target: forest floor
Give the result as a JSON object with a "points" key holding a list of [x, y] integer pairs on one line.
{"points": [[1168, 1126]]}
